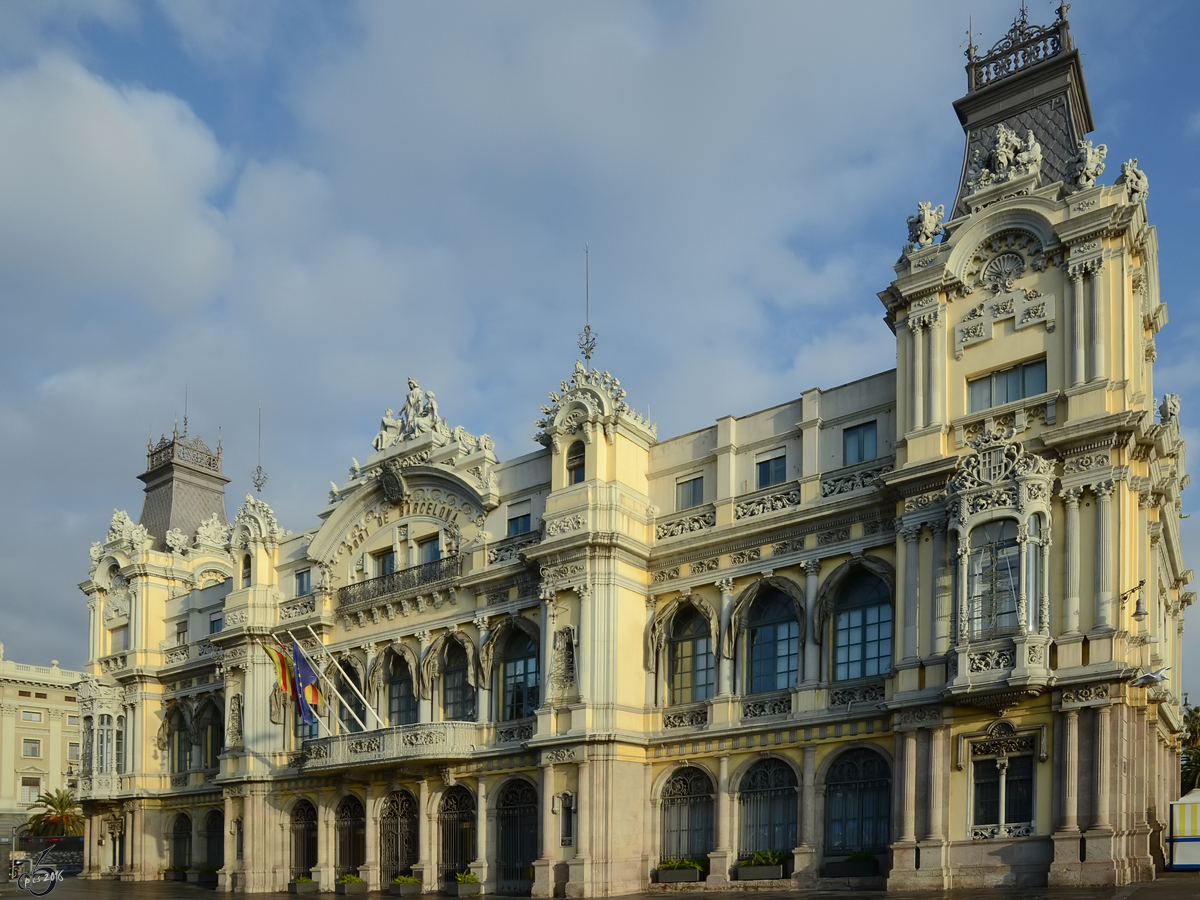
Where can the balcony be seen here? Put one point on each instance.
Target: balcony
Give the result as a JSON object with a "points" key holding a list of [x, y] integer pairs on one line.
{"points": [[396, 586], [423, 741]]}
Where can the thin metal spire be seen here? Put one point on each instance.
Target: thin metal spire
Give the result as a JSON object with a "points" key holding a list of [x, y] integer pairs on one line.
{"points": [[259, 478], [185, 399], [587, 337]]}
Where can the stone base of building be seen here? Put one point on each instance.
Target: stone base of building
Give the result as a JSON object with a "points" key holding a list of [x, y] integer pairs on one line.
{"points": [[923, 866]]}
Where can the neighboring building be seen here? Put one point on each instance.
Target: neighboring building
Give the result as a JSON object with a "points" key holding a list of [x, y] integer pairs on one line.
{"points": [[40, 744], [899, 617]]}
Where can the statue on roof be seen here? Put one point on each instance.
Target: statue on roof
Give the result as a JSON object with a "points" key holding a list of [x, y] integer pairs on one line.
{"points": [[924, 226], [1007, 157], [419, 415], [1137, 185], [1088, 165]]}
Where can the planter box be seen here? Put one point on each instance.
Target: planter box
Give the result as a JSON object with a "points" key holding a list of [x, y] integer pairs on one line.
{"points": [[759, 873], [864, 869], [675, 876], [174, 876], [454, 889], [207, 878], [405, 890], [359, 887], [303, 887]]}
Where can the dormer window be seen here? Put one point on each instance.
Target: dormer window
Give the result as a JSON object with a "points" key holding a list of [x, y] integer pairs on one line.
{"points": [[575, 463], [1008, 385]]}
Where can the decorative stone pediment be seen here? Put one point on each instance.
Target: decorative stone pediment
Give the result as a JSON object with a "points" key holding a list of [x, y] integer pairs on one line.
{"points": [[1003, 738], [591, 399], [255, 523], [1008, 156], [997, 475]]}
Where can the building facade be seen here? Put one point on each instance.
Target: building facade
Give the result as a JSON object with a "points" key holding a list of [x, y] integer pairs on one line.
{"points": [[886, 631], [40, 737]]}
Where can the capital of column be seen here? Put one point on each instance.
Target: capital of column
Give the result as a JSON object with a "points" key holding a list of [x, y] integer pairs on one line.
{"points": [[480, 622], [1104, 489], [911, 532], [724, 585], [811, 566], [1070, 496]]}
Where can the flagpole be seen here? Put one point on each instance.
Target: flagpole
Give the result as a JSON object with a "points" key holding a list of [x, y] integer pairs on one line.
{"points": [[329, 680], [368, 706], [282, 648]]}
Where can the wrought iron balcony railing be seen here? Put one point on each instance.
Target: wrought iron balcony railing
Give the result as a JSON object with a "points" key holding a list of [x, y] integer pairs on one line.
{"points": [[410, 580]]}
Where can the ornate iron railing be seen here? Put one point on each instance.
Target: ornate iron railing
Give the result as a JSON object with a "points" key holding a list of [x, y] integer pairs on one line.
{"points": [[405, 580], [1023, 46]]}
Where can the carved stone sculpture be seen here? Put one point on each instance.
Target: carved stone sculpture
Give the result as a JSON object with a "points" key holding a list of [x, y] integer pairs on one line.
{"points": [[212, 533], [1007, 157], [234, 731], [1169, 410], [176, 540], [277, 706], [122, 530], [1088, 165], [97, 552], [924, 226], [1137, 185]]}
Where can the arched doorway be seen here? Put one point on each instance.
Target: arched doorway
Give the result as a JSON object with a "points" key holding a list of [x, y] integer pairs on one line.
{"points": [[304, 839], [687, 815], [398, 844], [517, 827], [857, 802], [214, 839], [351, 830], [456, 827], [767, 800], [181, 841]]}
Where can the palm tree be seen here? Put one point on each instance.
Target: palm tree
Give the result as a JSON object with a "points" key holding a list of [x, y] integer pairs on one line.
{"points": [[59, 814]]}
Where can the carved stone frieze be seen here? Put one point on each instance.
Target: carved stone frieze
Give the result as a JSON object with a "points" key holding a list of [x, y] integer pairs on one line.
{"points": [[770, 503], [685, 525]]}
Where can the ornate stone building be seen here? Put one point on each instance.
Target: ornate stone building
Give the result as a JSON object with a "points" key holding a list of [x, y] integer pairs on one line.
{"points": [[887, 631]]}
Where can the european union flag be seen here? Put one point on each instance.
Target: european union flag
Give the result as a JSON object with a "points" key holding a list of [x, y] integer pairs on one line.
{"points": [[306, 686]]}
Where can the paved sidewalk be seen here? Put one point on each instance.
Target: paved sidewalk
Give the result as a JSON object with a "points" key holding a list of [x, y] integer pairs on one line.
{"points": [[1171, 886]]}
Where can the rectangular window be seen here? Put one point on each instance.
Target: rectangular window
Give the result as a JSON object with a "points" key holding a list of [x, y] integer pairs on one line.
{"points": [[402, 705], [24, 694], [385, 563], [689, 493], [1004, 781], [28, 715], [858, 444], [39, 696], [428, 551], [73, 752], [863, 642], [1018, 790], [520, 517], [181, 633], [30, 789], [72, 720], [120, 638], [69, 699], [304, 731], [987, 792], [1008, 385], [567, 813], [216, 622], [31, 747], [303, 582], [771, 471]]}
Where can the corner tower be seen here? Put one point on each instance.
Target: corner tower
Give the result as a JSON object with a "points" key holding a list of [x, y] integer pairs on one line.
{"points": [[184, 487]]}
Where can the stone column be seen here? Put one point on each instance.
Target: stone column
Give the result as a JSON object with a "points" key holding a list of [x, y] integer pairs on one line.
{"points": [[721, 857], [908, 828], [1103, 492], [812, 650], [808, 799], [918, 374], [1103, 763], [939, 638], [199, 845], [937, 369], [1071, 772], [1077, 351], [963, 614], [370, 866], [425, 817], [1044, 587], [546, 620], [937, 774], [583, 665], [725, 666], [1071, 569], [584, 810], [547, 797], [225, 879], [1099, 364], [481, 823], [912, 587]]}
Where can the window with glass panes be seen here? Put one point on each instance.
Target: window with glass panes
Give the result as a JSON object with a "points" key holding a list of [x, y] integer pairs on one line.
{"points": [[575, 463], [862, 629], [385, 562], [993, 579], [520, 517], [31, 747], [352, 712], [771, 471], [691, 657], [521, 692], [303, 582], [1003, 791], [402, 701], [689, 493], [858, 444], [30, 789], [774, 642], [458, 696], [1008, 385], [429, 550]]}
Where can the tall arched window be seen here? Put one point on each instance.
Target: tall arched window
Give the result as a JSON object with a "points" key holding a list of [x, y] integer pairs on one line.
{"points": [[304, 839], [456, 828], [1034, 549], [575, 463], [687, 815], [212, 740], [214, 839], [993, 579], [351, 828], [399, 847], [517, 835], [862, 628], [767, 800], [402, 699], [857, 802], [774, 642], [246, 571], [691, 657], [520, 675], [119, 746], [181, 841], [180, 744], [350, 707], [458, 696], [104, 745]]}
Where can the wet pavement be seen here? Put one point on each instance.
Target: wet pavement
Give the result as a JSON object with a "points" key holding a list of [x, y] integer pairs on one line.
{"points": [[1171, 886]]}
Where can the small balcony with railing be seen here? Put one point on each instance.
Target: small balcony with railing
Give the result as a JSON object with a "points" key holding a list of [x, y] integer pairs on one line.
{"points": [[430, 583], [424, 741]]}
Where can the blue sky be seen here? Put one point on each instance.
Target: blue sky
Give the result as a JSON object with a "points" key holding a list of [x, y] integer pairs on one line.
{"points": [[302, 204]]}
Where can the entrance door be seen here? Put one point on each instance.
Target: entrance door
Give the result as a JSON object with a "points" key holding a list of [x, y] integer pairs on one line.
{"points": [[517, 821], [397, 836], [456, 824]]}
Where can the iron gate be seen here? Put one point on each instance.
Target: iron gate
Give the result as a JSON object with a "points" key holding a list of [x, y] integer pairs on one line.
{"points": [[304, 839], [351, 828], [214, 840], [687, 815], [517, 822], [456, 823], [181, 842], [398, 848], [767, 807]]}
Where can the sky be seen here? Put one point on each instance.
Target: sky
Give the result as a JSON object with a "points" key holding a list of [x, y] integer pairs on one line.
{"points": [[302, 204]]}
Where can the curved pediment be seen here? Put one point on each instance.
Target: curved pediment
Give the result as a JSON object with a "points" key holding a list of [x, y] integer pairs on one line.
{"points": [[589, 399]]}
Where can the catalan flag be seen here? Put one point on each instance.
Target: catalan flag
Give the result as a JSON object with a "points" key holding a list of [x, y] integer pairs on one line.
{"points": [[285, 675]]}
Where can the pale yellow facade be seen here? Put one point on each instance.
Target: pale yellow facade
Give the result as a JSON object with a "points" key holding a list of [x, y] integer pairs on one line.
{"points": [[888, 631]]}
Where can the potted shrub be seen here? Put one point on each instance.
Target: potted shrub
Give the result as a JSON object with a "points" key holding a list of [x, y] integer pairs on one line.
{"points": [[761, 865], [673, 871], [175, 873], [208, 875], [466, 884], [857, 865], [406, 885], [303, 885], [350, 884]]}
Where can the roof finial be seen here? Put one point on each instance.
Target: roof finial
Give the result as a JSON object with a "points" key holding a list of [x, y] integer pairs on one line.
{"points": [[1063, 6], [185, 399], [971, 48], [259, 478], [587, 337]]}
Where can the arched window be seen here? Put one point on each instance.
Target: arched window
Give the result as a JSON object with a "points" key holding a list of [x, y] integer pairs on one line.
{"points": [[402, 699], [993, 579], [351, 828], [862, 628], [520, 676], [211, 736], [687, 815], [456, 827], [349, 686], [1034, 549], [458, 696], [691, 657], [773, 641], [767, 797], [246, 571], [180, 745], [119, 746], [857, 802], [399, 847], [214, 839], [104, 745], [517, 835], [304, 839], [575, 463], [181, 841]]}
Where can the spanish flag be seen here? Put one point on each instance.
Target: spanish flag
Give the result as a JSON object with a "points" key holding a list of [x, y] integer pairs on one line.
{"points": [[285, 676]]}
